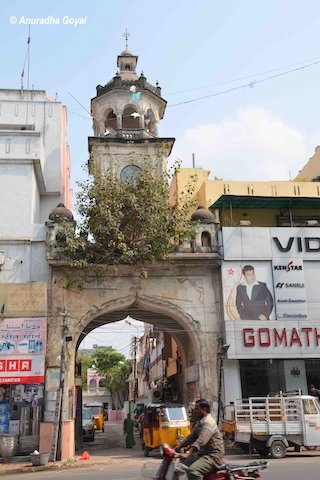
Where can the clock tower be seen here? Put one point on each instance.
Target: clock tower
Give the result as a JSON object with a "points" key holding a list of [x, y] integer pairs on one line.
{"points": [[126, 114]]}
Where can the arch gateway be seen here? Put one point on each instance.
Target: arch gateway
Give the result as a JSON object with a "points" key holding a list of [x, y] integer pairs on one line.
{"points": [[181, 296]]}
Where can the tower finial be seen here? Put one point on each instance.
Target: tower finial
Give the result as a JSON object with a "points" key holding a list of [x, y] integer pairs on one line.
{"points": [[126, 35]]}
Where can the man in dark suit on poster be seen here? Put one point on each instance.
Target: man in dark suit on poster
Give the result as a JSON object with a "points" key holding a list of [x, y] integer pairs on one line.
{"points": [[254, 300]]}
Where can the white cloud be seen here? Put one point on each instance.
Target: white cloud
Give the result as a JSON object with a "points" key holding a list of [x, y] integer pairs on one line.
{"points": [[252, 144]]}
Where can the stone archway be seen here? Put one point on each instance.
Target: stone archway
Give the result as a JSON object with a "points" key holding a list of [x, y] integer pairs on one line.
{"points": [[182, 298]]}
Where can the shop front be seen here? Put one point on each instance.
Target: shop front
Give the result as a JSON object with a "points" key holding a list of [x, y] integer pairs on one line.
{"points": [[22, 363], [271, 295]]}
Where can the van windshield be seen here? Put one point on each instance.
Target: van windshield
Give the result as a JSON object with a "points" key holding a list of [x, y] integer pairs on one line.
{"points": [[95, 410], [86, 415]]}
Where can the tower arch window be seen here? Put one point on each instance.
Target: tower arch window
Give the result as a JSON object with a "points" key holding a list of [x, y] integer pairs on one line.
{"points": [[110, 121], [127, 67], [205, 239], [102, 383], [92, 385], [130, 117]]}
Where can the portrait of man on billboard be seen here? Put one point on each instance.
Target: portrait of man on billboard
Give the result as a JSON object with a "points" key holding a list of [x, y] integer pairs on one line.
{"points": [[253, 298]]}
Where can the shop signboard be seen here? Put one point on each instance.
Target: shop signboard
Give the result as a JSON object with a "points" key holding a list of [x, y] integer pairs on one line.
{"points": [[22, 350], [271, 292]]}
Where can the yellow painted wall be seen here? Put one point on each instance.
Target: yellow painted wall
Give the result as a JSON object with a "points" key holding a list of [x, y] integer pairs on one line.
{"points": [[208, 191], [312, 168]]}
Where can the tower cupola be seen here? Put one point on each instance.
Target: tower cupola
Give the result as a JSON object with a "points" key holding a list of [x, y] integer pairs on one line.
{"points": [[128, 109]]}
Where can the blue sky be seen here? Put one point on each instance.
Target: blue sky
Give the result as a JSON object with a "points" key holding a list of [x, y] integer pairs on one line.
{"points": [[255, 133], [265, 132]]}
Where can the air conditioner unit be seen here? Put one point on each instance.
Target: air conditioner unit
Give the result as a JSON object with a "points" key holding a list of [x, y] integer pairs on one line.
{"points": [[156, 395]]}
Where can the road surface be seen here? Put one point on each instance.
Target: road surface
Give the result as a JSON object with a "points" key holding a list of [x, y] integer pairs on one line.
{"points": [[290, 468]]}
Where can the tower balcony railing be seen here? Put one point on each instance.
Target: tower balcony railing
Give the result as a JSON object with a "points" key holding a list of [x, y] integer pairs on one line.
{"points": [[131, 133], [119, 84]]}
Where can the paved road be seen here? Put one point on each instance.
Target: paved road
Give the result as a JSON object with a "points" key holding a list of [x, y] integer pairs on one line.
{"points": [[110, 460], [290, 468]]}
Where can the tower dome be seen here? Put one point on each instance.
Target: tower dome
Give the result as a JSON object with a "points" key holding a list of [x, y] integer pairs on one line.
{"points": [[60, 213], [203, 215]]}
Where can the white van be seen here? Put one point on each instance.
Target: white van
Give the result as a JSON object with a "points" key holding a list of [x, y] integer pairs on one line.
{"points": [[272, 424]]}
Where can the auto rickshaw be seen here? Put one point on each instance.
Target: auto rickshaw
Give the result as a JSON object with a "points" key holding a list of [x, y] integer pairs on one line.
{"points": [[97, 414], [164, 423]]}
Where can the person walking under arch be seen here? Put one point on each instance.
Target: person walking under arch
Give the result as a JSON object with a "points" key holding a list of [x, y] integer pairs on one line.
{"points": [[128, 426]]}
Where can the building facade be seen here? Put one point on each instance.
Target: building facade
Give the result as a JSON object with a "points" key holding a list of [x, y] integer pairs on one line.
{"points": [[34, 178]]}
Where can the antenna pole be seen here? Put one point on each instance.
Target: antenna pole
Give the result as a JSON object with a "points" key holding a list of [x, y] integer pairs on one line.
{"points": [[28, 74]]}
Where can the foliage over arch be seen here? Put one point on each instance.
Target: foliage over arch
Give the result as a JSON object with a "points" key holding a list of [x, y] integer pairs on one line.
{"points": [[129, 223]]}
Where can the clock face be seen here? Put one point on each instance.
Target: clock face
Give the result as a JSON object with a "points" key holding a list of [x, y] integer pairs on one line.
{"points": [[129, 172]]}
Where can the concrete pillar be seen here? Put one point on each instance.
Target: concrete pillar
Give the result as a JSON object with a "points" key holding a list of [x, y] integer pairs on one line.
{"points": [[119, 121]]}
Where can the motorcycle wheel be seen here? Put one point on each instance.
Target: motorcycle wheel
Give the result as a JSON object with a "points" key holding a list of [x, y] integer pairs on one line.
{"points": [[278, 449]]}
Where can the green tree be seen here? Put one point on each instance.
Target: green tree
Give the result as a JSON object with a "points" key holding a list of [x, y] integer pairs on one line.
{"points": [[126, 222], [116, 369]]}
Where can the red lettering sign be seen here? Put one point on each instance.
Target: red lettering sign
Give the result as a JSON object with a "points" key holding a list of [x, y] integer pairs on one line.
{"points": [[12, 366], [285, 337], [295, 338], [280, 337], [264, 337], [25, 365], [307, 331], [16, 365], [248, 337]]}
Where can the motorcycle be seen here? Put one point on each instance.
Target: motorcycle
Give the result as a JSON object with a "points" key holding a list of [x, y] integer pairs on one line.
{"points": [[170, 469]]}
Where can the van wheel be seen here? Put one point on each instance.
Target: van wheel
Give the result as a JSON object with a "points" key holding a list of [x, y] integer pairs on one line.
{"points": [[263, 451], [278, 449]]}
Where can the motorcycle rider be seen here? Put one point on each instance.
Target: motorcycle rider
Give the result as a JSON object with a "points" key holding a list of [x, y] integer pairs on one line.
{"points": [[206, 447]]}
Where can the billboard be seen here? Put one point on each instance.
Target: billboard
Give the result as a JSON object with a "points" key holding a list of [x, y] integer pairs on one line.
{"points": [[271, 293], [22, 350]]}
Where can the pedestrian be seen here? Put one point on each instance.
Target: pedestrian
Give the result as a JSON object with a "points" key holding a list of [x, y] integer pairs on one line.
{"points": [[128, 426], [314, 391]]}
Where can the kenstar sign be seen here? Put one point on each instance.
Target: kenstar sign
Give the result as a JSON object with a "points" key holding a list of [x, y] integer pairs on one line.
{"points": [[273, 340]]}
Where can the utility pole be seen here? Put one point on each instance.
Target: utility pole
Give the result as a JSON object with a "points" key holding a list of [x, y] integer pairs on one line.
{"points": [[135, 369], [59, 402]]}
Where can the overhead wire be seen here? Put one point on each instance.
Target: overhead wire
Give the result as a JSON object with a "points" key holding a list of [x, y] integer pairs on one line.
{"points": [[246, 85], [244, 77]]}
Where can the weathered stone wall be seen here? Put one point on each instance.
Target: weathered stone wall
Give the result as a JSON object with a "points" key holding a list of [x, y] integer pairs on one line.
{"points": [[180, 297]]}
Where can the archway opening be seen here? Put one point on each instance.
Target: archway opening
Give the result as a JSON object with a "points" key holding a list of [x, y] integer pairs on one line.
{"points": [[130, 118], [205, 239], [161, 355], [111, 121]]}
